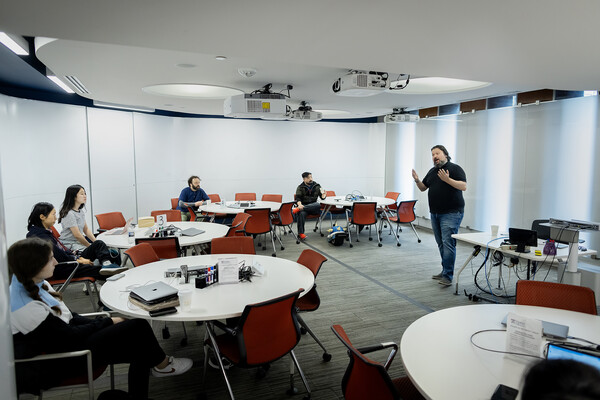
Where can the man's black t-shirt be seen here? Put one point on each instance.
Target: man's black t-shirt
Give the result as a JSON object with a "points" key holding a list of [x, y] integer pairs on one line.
{"points": [[443, 198]]}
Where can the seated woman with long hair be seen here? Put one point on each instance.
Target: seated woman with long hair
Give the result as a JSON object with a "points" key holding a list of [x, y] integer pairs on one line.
{"points": [[42, 323], [40, 223]]}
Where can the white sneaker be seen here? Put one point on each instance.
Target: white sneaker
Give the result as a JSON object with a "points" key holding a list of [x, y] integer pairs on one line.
{"points": [[176, 366], [112, 269]]}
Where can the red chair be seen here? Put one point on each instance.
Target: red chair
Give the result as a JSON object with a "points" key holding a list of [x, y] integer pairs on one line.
{"points": [[556, 295], [232, 245], [311, 300], [284, 219], [245, 197], [164, 247], [174, 203], [368, 379], [192, 214], [260, 224], [238, 225], [172, 215], [405, 214], [110, 220], [277, 198], [264, 333], [214, 198], [364, 213]]}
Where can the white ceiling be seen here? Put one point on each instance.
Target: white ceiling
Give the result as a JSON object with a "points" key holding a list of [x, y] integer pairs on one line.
{"points": [[116, 47]]}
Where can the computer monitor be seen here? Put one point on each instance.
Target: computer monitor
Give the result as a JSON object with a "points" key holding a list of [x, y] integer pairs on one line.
{"points": [[522, 238]]}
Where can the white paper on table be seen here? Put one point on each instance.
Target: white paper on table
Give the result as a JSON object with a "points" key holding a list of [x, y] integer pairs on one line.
{"points": [[228, 270], [523, 335]]}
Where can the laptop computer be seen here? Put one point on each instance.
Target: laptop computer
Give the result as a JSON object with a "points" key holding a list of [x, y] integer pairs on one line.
{"points": [[550, 329], [153, 293], [242, 204], [192, 232], [556, 352]]}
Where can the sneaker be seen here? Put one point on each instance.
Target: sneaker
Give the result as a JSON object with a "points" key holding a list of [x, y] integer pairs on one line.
{"points": [[176, 366], [212, 361], [302, 236], [445, 282], [112, 269], [437, 277]]}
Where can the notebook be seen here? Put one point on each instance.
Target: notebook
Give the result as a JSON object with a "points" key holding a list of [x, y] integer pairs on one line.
{"points": [[191, 232], [550, 329], [153, 293]]}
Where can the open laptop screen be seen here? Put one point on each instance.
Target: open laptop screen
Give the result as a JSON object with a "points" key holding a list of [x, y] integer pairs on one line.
{"points": [[556, 352]]}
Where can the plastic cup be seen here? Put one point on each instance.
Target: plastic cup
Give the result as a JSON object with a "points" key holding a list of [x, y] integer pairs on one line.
{"points": [[185, 299], [495, 230]]}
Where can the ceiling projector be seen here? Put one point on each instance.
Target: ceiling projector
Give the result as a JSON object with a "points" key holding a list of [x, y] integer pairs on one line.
{"points": [[305, 113], [361, 84], [256, 105], [400, 115]]}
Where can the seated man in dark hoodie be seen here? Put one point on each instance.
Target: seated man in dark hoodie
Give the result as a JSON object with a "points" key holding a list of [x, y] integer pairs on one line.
{"points": [[307, 194], [41, 220]]}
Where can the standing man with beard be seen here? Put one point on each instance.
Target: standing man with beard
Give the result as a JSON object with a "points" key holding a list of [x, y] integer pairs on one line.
{"points": [[307, 194], [191, 196], [446, 181]]}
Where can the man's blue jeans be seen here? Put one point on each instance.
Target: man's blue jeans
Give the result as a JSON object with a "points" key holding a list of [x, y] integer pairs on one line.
{"points": [[444, 226]]}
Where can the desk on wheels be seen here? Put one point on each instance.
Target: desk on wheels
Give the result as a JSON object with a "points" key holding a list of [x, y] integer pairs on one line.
{"points": [[218, 301], [211, 231], [485, 240], [443, 364]]}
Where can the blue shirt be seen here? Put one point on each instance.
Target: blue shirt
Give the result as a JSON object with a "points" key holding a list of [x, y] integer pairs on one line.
{"points": [[189, 196]]}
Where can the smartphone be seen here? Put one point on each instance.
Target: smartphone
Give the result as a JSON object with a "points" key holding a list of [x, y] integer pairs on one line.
{"points": [[164, 311], [115, 277], [504, 393]]}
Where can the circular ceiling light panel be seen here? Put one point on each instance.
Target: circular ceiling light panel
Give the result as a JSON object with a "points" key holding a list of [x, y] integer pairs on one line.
{"points": [[436, 85], [191, 91]]}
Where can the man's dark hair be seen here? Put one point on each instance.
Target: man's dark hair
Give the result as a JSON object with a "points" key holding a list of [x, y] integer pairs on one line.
{"points": [[561, 379], [305, 174], [191, 179], [443, 149]]}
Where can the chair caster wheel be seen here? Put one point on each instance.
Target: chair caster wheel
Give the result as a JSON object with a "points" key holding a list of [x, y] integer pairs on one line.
{"points": [[282, 248], [264, 247], [165, 333], [419, 241], [370, 239], [322, 234], [183, 342], [274, 255], [398, 244], [302, 331], [314, 230], [326, 357], [292, 391], [379, 244], [351, 246], [297, 242]]}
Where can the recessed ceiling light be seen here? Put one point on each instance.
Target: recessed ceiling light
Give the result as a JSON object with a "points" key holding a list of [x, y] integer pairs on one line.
{"points": [[17, 44], [333, 113], [437, 85], [184, 65], [122, 106], [220, 58], [191, 91]]}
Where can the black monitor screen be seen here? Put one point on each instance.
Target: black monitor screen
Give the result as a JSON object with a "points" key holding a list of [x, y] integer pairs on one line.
{"points": [[522, 238]]}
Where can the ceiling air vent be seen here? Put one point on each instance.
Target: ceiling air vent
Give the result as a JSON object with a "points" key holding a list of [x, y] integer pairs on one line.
{"points": [[77, 84]]}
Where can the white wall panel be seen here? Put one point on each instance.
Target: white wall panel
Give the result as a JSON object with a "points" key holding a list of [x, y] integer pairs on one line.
{"points": [[111, 162], [44, 150]]}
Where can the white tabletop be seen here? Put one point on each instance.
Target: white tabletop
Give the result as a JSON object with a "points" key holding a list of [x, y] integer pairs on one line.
{"points": [[342, 202], [220, 209], [214, 302], [485, 239], [211, 231], [441, 361]]}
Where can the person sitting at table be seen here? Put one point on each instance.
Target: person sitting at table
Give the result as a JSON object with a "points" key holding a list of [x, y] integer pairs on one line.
{"points": [[193, 194], [74, 227], [41, 323], [307, 194], [561, 379]]}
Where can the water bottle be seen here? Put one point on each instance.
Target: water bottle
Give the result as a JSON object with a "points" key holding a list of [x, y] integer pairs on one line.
{"points": [[131, 234]]}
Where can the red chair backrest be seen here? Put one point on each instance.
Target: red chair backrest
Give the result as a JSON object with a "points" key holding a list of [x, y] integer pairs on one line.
{"points": [[364, 378], [110, 220], [406, 211], [330, 193], [556, 295], [232, 245], [277, 198], [311, 260], [174, 203], [172, 215], [214, 198], [245, 197], [238, 225], [192, 214], [260, 221], [269, 330], [141, 254], [284, 215], [363, 213], [394, 196], [163, 247]]}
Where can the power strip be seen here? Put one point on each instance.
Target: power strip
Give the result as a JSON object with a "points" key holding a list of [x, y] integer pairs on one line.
{"points": [[508, 247]]}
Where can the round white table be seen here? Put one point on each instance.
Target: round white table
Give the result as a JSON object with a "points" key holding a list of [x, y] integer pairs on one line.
{"points": [[443, 364], [218, 301], [211, 231]]}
